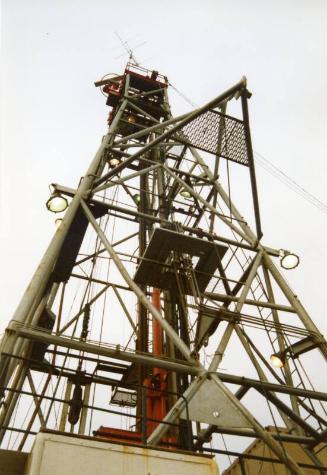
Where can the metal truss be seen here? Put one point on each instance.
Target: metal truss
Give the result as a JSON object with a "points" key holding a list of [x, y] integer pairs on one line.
{"points": [[152, 212]]}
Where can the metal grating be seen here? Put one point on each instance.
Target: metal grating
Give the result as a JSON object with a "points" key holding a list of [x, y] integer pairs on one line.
{"points": [[203, 133]]}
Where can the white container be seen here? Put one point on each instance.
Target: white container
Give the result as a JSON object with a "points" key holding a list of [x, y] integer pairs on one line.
{"points": [[54, 454]]}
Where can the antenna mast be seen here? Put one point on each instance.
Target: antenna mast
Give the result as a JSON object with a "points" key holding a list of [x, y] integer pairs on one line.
{"points": [[129, 50]]}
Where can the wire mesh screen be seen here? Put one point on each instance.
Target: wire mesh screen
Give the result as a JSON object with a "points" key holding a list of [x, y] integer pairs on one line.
{"points": [[218, 134]]}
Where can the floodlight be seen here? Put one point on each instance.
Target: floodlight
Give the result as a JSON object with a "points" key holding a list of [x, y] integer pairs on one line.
{"points": [[137, 198], [288, 260], [278, 359], [185, 193], [57, 203], [114, 161], [293, 351]]}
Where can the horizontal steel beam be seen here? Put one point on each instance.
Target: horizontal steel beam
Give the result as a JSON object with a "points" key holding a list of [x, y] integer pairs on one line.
{"points": [[143, 94], [149, 360], [99, 281], [297, 439], [262, 458], [103, 350], [198, 231], [257, 303], [278, 388]]}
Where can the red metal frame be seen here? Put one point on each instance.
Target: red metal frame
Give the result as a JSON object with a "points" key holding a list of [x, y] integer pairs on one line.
{"points": [[156, 393], [144, 73], [156, 401]]}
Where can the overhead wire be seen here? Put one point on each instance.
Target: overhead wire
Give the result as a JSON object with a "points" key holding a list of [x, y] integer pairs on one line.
{"points": [[289, 182], [193, 104]]}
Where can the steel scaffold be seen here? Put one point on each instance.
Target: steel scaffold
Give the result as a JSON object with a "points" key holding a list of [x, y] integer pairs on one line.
{"points": [[152, 279]]}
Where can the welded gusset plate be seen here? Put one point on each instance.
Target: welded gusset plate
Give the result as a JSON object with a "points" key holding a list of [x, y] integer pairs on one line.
{"points": [[211, 406], [218, 134], [206, 317]]}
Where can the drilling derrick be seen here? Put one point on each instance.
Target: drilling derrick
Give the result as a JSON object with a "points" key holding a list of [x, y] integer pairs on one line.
{"points": [[153, 279]]}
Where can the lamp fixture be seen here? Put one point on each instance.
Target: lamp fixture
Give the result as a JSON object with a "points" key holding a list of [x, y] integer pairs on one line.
{"points": [[185, 193], [137, 198], [293, 351], [114, 161], [56, 203], [278, 359], [288, 260]]}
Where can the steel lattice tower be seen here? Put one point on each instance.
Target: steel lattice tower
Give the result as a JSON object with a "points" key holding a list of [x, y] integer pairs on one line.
{"points": [[149, 279]]}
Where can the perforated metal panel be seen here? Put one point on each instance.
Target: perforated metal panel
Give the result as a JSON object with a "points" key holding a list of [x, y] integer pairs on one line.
{"points": [[203, 133]]}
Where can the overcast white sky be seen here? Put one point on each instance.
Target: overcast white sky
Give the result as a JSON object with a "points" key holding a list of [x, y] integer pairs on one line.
{"points": [[52, 117]]}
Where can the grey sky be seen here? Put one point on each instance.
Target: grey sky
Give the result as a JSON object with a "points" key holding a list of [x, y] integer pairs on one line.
{"points": [[53, 118]]}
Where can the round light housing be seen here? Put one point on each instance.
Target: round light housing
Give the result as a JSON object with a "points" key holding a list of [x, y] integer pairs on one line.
{"points": [[113, 162], [288, 260], [277, 360], [131, 119], [137, 198], [57, 203], [185, 193]]}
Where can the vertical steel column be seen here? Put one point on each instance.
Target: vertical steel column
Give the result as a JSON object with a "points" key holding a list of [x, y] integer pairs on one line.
{"points": [[142, 327], [156, 394], [65, 407], [86, 398], [244, 99], [179, 406]]}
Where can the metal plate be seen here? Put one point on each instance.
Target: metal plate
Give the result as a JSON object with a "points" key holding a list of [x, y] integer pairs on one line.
{"points": [[210, 405], [207, 317]]}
